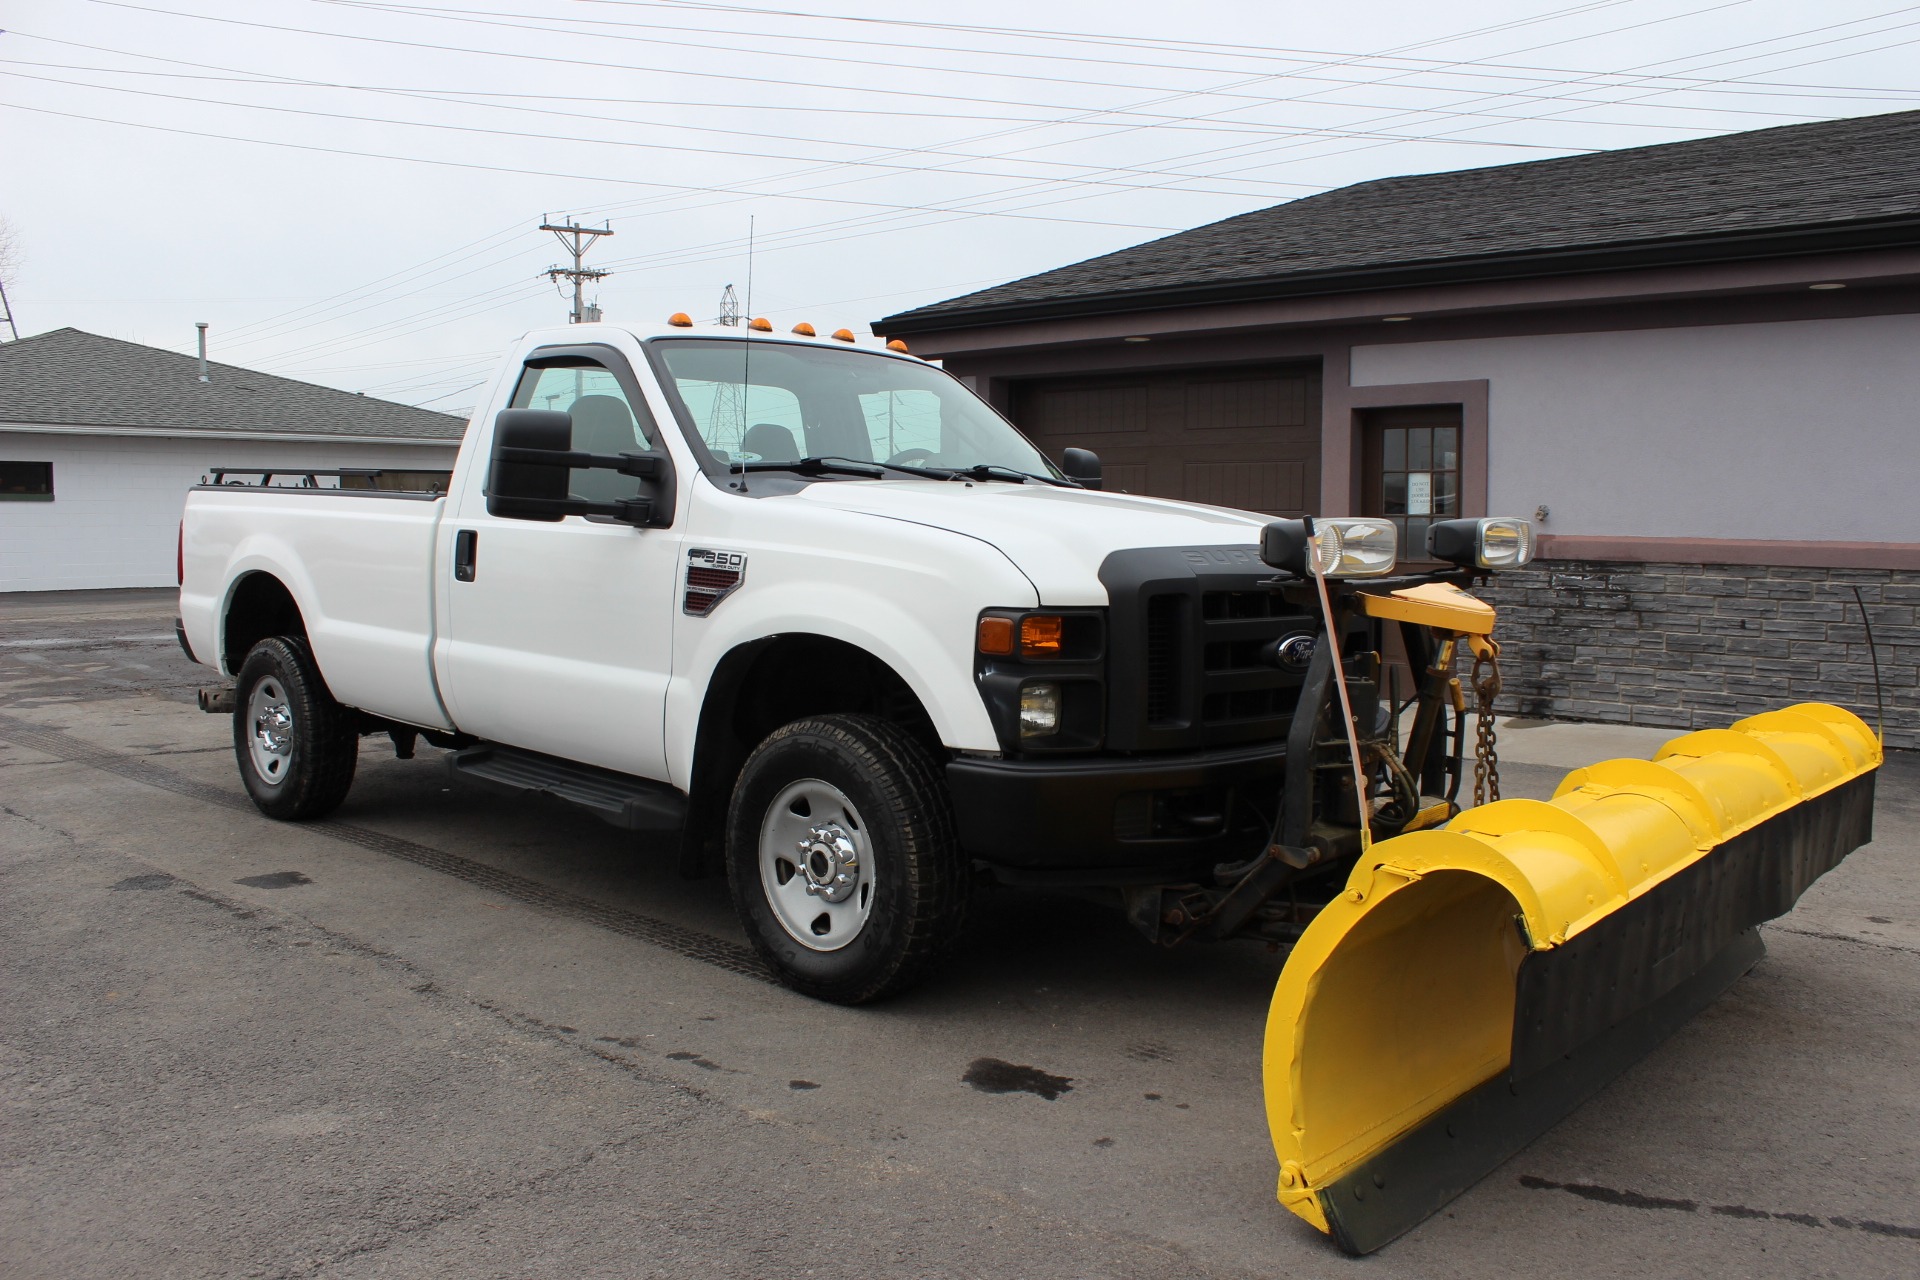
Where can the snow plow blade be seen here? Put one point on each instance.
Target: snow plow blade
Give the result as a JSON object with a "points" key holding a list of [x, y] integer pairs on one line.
{"points": [[1475, 984]]}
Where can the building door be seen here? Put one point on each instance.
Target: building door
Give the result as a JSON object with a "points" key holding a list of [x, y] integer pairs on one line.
{"points": [[1246, 438], [1410, 469]]}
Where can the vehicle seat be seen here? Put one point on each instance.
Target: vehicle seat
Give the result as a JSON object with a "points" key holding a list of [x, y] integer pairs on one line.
{"points": [[603, 424], [773, 442]]}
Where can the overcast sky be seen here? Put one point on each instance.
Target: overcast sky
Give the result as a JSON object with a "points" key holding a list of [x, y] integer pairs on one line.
{"points": [[348, 190]]}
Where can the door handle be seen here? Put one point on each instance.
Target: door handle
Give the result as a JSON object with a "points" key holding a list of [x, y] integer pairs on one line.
{"points": [[466, 552]]}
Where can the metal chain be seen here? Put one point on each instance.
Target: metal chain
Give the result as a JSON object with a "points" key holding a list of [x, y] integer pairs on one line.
{"points": [[1486, 763]]}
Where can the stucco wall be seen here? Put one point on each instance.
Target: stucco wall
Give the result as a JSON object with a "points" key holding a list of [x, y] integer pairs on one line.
{"points": [[1803, 429], [117, 501]]}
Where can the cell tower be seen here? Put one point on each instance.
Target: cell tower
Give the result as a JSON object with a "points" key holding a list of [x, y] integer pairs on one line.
{"points": [[730, 307], [6, 311]]}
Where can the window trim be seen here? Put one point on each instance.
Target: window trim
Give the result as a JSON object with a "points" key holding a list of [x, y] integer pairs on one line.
{"points": [[1471, 396]]}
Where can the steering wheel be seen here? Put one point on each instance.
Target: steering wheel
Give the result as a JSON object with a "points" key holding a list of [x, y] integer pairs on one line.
{"points": [[907, 457]]}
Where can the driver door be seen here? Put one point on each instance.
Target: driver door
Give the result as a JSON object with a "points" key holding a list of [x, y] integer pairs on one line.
{"points": [[560, 633]]}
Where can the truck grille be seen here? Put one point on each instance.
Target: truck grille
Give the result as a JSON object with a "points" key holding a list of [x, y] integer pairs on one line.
{"points": [[1189, 630]]}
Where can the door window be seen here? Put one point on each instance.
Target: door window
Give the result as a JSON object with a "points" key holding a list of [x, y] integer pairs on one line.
{"points": [[1412, 472], [605, 420]]}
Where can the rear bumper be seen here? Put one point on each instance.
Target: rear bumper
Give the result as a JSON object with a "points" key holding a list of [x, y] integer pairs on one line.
{"points": [[1116, 820]]}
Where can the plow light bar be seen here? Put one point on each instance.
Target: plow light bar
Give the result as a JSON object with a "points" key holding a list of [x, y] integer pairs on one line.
{"points": [[1503, 542], [1339, 547]]}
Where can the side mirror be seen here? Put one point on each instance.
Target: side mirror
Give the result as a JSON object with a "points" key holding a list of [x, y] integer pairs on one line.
{"points": [[527, 490], [1082, 465], [532, 454]]}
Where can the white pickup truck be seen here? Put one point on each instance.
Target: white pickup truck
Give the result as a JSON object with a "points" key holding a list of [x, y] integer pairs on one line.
{"points": [[822, 612]]}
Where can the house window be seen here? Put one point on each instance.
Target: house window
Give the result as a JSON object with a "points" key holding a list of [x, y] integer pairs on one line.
{"points": [[1411, 469], [26, 482]]}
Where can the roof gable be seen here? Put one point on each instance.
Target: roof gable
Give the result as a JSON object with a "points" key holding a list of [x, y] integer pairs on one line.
{"points": [[68, 377]]}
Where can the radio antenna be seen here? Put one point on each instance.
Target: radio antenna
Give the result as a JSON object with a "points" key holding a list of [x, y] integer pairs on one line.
{"points": [[746, 356]]}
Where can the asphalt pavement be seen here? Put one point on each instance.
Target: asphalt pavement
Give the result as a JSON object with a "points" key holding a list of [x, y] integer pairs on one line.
{"points": [[448, 1034]]}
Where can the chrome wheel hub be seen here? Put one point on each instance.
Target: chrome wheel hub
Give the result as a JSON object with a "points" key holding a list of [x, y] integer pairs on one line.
{"points": [[270, 731], [814, 865]]}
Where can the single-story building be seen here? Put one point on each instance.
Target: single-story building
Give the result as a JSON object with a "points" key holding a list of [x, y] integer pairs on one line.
{"points": [[101, 439], [1696, 366]]}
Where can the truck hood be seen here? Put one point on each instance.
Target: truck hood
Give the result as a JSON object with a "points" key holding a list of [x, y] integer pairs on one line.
{"points": [[1057, 537]]}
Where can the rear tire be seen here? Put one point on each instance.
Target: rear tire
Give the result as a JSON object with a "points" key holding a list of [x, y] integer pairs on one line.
{"points": [[841, 857], [296, 746]]}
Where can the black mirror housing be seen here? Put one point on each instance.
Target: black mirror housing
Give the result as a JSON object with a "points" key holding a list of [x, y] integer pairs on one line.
{"points": [[532, 454], [1082, 465], [522, 490]]}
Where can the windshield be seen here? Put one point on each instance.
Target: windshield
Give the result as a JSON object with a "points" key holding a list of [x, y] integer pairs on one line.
{"points": [[762, 403]]}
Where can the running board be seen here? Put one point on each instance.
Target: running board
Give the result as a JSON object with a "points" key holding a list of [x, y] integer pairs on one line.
{"points": [[635, 804]]}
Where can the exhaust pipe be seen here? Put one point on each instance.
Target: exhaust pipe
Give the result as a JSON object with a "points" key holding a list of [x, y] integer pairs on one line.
{"points": [[217, 699]]}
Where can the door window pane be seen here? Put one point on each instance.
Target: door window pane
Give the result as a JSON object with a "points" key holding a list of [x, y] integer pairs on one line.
{"points": [[604, 421], [1413, 471]]}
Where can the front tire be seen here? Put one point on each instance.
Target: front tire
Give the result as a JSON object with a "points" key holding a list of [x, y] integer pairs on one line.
{"points": [[296, 746], [841, 857]]}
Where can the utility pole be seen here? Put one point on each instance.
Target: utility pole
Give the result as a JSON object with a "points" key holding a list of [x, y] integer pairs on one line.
{"points": [[576, 240], [730, 308]]}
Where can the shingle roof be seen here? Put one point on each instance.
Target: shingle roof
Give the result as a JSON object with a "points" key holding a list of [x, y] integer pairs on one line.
{"points": [[1727, 196], [67, 377]]}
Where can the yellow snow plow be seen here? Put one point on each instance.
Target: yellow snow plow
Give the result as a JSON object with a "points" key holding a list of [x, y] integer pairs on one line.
{"points": [[1461, 978], [1468, 985]]}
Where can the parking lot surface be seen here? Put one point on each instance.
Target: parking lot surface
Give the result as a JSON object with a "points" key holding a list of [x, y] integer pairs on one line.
{"points": [[448, 1034]]}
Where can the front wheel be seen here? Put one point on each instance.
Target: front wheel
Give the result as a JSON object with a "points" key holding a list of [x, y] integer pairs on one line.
{"points": [[841, 857], [297, 747]]}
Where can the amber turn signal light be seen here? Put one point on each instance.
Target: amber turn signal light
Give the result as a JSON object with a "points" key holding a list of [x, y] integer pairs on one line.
{"points": [[1041, 635], [995, 636]]}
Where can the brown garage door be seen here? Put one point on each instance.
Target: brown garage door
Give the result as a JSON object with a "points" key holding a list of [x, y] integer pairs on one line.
{"points": [[1247, 438]]}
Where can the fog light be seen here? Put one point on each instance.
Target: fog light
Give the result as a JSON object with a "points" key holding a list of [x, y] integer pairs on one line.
{"points": [[1039, 710]]}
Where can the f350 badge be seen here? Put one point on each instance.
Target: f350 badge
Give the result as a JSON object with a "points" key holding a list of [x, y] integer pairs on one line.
{"points": [[712, 576]]}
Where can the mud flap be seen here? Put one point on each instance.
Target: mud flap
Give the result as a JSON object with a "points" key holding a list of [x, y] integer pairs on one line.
{"points": [[1473, 985]]}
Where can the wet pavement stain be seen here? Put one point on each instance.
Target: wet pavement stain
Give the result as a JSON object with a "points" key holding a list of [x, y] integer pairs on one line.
{"points": [[1636, 1200], [801, 1086], [991, 1075], [698, 1061], [275, 880], [158, 880]]}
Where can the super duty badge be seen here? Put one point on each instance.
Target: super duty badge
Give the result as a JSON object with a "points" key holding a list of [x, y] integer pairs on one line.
{"points": [[712, 576]]}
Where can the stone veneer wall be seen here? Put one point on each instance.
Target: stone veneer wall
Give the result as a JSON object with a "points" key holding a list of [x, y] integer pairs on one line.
{"points": [[1691, 646]]}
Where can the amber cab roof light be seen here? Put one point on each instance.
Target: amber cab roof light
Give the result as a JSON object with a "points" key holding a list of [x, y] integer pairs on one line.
{"points": [[897, 345], [760, 324], [680, 320], [804, 329], [843, 335]]}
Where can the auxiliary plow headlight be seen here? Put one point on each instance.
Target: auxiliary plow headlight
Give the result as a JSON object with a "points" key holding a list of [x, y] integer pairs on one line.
{"points": [[1500, 542], [1340, 546]]}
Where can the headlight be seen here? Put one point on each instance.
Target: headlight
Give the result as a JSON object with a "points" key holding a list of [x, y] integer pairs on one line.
{"points": [[1341, 547], [1502, 542], [1039, 710]]}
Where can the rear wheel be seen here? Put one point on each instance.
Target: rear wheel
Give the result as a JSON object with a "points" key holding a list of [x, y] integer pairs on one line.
{"points": [[841, 857], [296, 746]]}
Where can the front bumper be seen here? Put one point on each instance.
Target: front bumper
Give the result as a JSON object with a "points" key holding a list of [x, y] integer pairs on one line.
{"points": [[1117, 820]]}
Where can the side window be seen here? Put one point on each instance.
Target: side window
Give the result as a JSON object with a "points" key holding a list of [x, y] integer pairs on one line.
{"points": [[751, 423], [902, 422], [605, 420], [26, 481]]}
